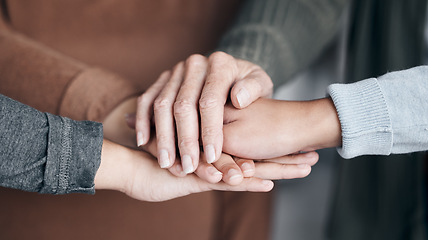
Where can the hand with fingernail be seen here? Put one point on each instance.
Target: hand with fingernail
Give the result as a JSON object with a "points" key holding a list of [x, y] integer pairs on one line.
{"points": [[188, 102], [234, 170]]}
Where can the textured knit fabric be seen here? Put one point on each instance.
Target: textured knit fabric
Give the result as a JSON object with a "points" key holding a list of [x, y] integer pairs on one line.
{"points": [[283, 36], [377, 197], [272, 34], [385, 115], [45, 153], [384, 197], [80, 59]]}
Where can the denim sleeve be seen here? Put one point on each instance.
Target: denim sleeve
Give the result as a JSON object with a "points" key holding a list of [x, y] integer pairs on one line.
{"points": [[385, 115], [45, 153]]}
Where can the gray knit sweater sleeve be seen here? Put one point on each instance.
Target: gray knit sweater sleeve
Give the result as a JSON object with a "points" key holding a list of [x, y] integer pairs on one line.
{"points": [[44, 153], [282, 36], [383, 115]]}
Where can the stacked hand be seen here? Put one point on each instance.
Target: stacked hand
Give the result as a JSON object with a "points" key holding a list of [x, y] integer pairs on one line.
{"points": [[194, 92], [189, 102]]}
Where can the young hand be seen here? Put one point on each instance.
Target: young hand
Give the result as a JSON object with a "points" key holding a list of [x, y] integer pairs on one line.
{"points": [[138, 175], [272, 128]]}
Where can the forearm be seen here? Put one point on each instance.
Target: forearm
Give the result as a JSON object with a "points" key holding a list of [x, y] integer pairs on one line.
{"points": [[46, 153], [65, 86]]}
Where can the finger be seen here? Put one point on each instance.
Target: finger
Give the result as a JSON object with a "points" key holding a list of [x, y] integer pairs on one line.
{"points": [[177, 170], [186, 111], [145, 109], [232, 174], [221, 74], [247, 166], [274, 171], [164, 119], [250, 87], [151, 146], [208, 172], [248, 184], [309, 158]]}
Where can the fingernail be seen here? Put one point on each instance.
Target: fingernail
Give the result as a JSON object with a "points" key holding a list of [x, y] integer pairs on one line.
{"points": [[303, 166], [233, 173], [267, 182], [243, 97], [164, 158], [246, 168], [140, 139], [210, 153], [214, 171], [187, 163]]}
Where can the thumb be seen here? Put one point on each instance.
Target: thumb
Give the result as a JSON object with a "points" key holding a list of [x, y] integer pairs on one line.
{"points": [[250, 88]]}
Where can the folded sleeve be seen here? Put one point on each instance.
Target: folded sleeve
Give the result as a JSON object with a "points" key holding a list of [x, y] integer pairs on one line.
{"points": [[45, 153], [283, 36], [49, 81], [385, 115]]}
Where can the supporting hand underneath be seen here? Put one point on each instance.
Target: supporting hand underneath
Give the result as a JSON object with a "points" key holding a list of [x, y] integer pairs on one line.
{"points": [[137, 174]]}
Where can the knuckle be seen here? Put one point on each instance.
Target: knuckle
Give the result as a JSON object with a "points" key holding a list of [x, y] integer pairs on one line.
{"points": [[186, 142], [220, 56], [208, 101], [195, 60], [183, 107], [268, 86], [142, 99], [179, 65], [210, 131], [269, 83], [264, 82], [161, 104], [284, 172], [162, 139], [165, 73], [219, 61]]}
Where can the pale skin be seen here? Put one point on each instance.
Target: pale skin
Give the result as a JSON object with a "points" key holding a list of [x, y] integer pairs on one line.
{"points": [[188, 102], [229, 170], [138, 175], [174, 102]]}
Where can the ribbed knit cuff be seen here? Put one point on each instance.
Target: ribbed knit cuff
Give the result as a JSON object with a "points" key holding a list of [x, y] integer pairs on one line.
{"points": [[364, 118]]}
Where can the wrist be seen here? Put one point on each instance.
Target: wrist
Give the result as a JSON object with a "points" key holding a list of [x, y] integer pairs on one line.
{"points": [[324, 129], [110, 174]]}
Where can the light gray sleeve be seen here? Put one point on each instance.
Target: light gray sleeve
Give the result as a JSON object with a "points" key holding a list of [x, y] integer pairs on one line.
{"points": [[44, 153], [387, 115], [283, 36]]}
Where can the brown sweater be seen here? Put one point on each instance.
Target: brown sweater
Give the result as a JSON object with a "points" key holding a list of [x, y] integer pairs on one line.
{"points": [[60, 56], [81, 59]]}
